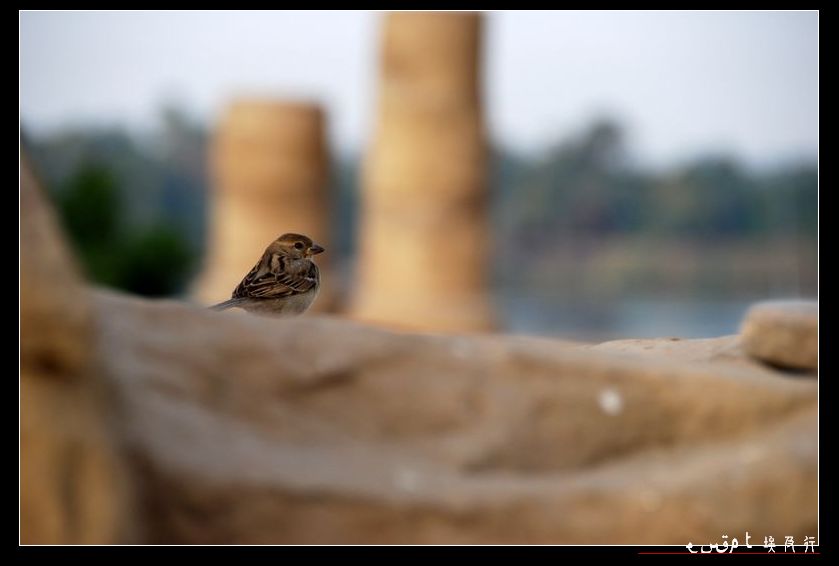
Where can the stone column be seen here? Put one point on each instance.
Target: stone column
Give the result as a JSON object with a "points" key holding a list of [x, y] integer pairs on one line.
{"points": [[269, 161], [423, 232]]}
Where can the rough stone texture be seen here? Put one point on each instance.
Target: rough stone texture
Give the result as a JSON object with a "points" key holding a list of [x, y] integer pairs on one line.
{"points": [[323, 430], [269, 171], [783, 333], [725, 349], [70, 488], [233, 428], [423, 235], [55, 319]]}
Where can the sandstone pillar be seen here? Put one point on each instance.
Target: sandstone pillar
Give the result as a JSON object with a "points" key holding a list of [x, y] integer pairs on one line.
{"points": [[423, 231], [269, 161]]}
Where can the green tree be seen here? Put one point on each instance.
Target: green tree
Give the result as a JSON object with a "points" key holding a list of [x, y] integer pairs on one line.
{"points": [[148, 260]]}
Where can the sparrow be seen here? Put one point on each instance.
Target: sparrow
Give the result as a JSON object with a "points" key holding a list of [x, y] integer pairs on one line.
{"points": [[285, 280]]}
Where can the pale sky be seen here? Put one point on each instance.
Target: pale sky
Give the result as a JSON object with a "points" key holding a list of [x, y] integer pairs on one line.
{"points": [[682, 82]]}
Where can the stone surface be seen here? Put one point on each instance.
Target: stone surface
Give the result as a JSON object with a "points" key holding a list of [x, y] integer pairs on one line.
{"points": [[321, 430], [783, 333], [423, 241], [270, 167], [55, 318], [70, 489], [155, 421], [722, 350]]}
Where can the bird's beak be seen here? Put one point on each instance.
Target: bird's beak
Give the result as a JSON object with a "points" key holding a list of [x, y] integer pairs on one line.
{"points": [[316, 249]]}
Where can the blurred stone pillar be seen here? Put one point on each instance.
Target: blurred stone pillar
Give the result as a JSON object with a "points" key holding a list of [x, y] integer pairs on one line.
{"points": [[269, 161], [423, 231]]}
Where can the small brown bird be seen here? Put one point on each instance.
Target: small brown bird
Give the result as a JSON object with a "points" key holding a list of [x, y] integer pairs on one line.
{"points": [[285, 280]]}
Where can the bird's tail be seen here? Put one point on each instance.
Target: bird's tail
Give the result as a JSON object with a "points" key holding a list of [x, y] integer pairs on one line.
{"points": [[230, 303]]}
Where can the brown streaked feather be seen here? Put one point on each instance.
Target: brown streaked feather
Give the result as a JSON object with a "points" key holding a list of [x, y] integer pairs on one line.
{"points": [[269, 279]]}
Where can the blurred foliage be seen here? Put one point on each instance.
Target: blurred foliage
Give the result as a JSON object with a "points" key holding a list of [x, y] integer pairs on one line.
{"points": [[155, 262], [710, 226], [135, 206], [152, 260], [587, 187]]}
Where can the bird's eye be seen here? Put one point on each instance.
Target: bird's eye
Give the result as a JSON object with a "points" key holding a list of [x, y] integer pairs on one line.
{"points": [[298, 245]]}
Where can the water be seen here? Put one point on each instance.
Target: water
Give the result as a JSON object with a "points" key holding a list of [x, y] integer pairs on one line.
{"points": [[630, 318]]}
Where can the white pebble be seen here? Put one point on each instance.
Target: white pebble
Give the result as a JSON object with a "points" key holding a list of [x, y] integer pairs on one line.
{"points": [[610, 402]]}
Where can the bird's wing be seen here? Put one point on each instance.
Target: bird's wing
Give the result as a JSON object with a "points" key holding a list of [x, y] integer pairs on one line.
{"points": [[268, 279]]}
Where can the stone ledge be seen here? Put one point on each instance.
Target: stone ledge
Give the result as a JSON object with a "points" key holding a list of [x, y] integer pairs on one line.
{"points": [[783, 333], [323, 430]]}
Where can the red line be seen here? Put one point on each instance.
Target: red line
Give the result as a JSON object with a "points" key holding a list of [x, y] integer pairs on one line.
{"points": [[729, 552]]}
